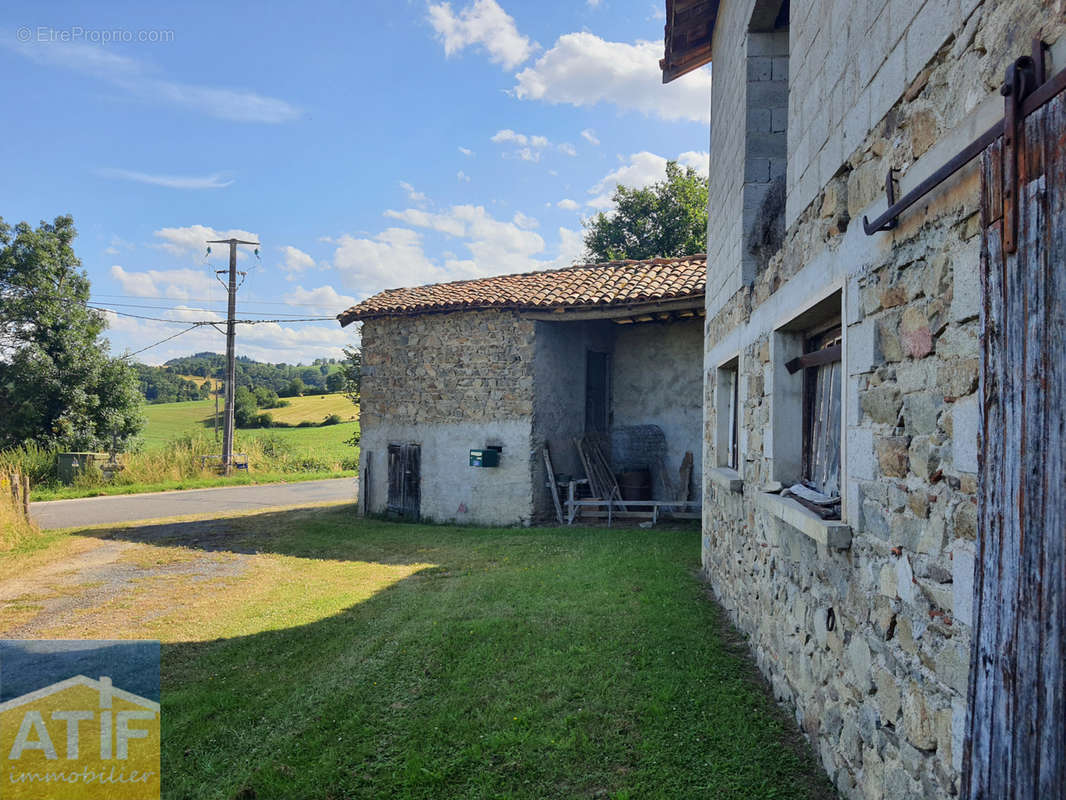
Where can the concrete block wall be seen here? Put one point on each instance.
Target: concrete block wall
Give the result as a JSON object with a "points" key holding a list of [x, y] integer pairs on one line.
{"points": [[835, 98], [868, 645]]}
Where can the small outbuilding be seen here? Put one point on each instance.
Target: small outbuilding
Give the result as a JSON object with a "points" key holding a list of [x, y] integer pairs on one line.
{"points": [[465, 385]]}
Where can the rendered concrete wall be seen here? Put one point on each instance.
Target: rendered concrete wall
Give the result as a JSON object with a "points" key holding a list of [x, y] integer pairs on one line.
{"points": [[879, 684], [658, 380], [452, 490]]}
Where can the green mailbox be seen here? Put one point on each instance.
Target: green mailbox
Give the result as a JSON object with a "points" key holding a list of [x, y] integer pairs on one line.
{"points": [[485, 458]]}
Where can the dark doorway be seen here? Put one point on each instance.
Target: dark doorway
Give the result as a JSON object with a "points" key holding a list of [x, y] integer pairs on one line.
{"points": [[597, 392], [405, 480]]}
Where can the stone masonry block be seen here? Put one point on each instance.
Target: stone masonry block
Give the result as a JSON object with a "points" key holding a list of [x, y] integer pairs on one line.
{"points": [[966, 423]]}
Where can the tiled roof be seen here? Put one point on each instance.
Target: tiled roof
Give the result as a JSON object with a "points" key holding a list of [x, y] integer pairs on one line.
{"points": [[609, 284]]}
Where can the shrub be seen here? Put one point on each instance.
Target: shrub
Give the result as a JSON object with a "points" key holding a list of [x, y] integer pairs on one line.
{"points": [[264, 421], [333, 419]]}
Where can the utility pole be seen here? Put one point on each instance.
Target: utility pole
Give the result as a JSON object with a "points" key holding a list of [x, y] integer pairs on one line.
{"points": [[231, 335]]}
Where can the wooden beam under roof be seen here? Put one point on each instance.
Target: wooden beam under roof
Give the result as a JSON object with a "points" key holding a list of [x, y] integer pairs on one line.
{"points": [[689, 33]]}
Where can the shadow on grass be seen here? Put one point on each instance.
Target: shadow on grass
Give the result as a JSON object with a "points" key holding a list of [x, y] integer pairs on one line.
{"points": [[536, 663]]}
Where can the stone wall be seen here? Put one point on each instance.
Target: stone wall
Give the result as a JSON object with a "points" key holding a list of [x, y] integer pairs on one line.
{"points": [[869, 644], [452, 383]]}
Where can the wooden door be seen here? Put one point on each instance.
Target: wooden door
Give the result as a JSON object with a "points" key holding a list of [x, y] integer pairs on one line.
{"points": [[405, 480], [1016, 727]]}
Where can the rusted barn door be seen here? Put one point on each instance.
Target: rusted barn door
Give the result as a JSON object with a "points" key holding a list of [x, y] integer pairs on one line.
{"points": [[405, 480], [1016, 728]]}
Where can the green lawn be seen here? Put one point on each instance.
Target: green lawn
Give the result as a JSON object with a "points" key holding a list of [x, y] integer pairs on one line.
{"points": [[365, 659]]}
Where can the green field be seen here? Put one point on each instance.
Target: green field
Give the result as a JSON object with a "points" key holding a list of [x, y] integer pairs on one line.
{"points": [[168, 421]]}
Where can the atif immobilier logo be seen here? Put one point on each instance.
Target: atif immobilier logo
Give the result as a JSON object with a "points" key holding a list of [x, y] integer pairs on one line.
{"points": [[79, 720]]}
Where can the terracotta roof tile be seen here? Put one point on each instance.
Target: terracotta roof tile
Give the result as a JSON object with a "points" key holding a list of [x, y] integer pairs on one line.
{"points": [[611, 283]]}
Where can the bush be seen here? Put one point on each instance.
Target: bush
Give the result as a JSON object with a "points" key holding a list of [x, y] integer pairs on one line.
{"points": [[33, 461], [305, 423], [333, 419], [264, 421]]}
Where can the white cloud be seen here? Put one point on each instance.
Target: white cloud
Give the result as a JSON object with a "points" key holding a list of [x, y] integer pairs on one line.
{"points": [[589, 136], [699, 160], [194, 238], [508, 135], [567, 149], [325, 299], [482, 23], [137, 80], [593, 3], [525, 222], [466, 151], [213, 181], [529, 146], [643, 169], [571, 248], [392, 258], [582, 69], [566, 204], [442, 223], [416, 197], [178, 284], [657, 12], [462, 177], [296, 260]]}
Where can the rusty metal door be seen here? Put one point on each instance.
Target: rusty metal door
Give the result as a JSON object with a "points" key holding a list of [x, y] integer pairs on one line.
{"points": [[1016, 726]]}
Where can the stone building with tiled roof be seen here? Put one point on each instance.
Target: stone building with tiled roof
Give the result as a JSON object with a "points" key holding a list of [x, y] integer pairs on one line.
{"points": [[510, 365]]}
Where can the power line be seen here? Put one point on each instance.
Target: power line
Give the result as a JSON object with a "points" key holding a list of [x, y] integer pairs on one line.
{"points": [[161, 341], [195, 308], [213, 300]]}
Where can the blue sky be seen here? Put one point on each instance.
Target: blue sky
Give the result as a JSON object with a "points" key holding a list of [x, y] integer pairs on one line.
{"points": [[366, 145]]}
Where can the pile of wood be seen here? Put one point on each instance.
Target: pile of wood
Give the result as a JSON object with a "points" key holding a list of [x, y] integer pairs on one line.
{"points": [[601, 478]]}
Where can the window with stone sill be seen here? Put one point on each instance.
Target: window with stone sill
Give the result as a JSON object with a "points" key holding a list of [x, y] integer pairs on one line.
{"points": [[807, 407], [727, 397]]}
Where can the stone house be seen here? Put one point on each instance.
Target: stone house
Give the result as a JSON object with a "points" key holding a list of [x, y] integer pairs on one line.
{"points": [[464, 383], [858, 360]]}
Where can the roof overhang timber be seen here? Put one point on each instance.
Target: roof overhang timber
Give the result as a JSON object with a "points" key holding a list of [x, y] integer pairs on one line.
{"points": [[683, 308], [689, 32]]}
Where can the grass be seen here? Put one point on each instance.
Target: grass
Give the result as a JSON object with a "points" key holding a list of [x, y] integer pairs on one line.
{"points": [[167, 421], [317, 655]]}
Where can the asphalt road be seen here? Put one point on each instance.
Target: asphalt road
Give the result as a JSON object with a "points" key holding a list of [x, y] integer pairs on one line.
{"points": [[133, 507]]}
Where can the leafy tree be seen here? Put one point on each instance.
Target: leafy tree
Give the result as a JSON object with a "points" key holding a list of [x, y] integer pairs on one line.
{"points": [[667, 219], [295, 388], [245, 409], [352, 370], [59, 386], [336, 382]]}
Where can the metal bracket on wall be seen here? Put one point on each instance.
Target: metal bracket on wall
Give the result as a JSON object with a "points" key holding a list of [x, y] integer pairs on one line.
{"points": [[1024, 89]]}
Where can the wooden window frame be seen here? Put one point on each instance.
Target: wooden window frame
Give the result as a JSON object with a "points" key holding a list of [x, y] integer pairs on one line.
{"points": [[823, 348]]}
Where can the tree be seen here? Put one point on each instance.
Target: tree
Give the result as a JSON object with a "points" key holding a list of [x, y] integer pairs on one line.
{"points": [[336, 382], [668, 219], [245, 409], [59, 386]]}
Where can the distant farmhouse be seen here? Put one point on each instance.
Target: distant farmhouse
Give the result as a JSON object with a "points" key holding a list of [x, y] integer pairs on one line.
{"points": [[884, 468], [464, 384]]}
